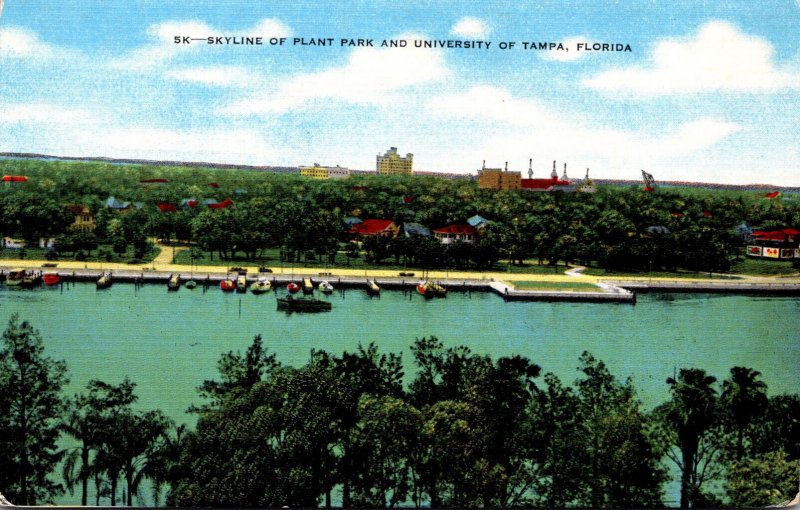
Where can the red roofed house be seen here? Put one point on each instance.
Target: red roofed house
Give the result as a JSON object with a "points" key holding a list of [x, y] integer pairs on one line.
{"points": [[386, 228], [777, 244], [453, 233]]}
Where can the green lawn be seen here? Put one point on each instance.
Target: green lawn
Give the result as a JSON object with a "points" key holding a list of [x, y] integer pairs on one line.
{"points": [[272, 259], [560, 286], [97, 255], [596, 271], [760, 267]]}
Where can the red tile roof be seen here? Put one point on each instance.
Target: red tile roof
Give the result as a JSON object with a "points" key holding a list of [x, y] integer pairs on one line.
{"points": [[456, 229], [368, 227], [542, 183]]}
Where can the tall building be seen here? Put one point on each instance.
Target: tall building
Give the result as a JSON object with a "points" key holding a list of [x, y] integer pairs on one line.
{"points": [[495, 178], [392, 164]]}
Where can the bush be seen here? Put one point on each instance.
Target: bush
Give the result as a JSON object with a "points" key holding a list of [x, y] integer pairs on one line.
{"points": [[51, 255], [80, 256]]}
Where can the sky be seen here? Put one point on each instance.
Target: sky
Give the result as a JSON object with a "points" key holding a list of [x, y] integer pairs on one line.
{"points": [[709, 91]]}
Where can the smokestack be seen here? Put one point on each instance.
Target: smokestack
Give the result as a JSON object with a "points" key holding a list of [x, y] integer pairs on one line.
{"points": [[484, 165], [530, 168], [506, 166]]}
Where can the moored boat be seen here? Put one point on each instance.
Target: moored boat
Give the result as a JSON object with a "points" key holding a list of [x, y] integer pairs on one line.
{"points": [[191, 284], [22, 278], [51, 279], [293, 288], [431, 289], [308, 287], [227, 285], [174, 282], [303, 304], [373, 288], [325, 287], [104, 281], [241, 283], [261, 286]]}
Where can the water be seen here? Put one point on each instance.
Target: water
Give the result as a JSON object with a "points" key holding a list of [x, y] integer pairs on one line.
{"points": [[169, 342]]}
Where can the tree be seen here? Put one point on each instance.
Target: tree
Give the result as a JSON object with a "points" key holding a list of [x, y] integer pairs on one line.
{"points": [[622, 467], [86, 421], [30, 407], [685, 422], [764, 480], [744, 400]]}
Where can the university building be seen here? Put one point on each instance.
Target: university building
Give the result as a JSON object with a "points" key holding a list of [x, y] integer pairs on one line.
{"points": [[324, 172], [392, 164], [495, 178]]}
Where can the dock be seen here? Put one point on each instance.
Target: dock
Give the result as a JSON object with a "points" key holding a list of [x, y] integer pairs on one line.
{"points": [[608, 290]]}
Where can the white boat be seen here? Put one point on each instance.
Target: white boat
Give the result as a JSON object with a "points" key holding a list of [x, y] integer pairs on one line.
{"points": [[325, 287], [373, 288], [241, 283], [104, 281], [261, 286]]}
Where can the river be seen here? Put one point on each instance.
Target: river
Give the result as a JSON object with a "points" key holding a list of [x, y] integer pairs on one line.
{"points": [[169, 342]]}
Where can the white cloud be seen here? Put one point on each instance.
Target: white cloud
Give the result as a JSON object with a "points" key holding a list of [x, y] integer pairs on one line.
{"points": [[718, 58], [21, 43], [471, 27], [570, 54], [370, 76], [162, 48], [521, 128], [214, 146], [223, 76], [42, 113]]}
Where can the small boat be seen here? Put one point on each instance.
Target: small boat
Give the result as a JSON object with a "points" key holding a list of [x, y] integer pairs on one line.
{"points": [[227, 285], [431, 289], [241, 283], [303, 304], [308, 287], [174, 282], [191, 284], [325, 287], [22, 278], [261, 286], [104, 281], [293, 288], [51, 279], [372, 288]]}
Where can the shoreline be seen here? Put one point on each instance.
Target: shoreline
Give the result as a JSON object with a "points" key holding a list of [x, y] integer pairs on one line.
{"points": [[610, 290]]}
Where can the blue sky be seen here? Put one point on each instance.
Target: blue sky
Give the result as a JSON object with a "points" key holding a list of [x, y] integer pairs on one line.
{"points": [[710, 91]]}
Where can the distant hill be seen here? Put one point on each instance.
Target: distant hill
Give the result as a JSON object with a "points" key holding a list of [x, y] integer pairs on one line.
{"points": [[443, 175]]}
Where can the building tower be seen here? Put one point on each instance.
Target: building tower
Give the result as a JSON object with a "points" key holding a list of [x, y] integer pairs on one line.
{"points": [[564, 177], [392, 163], [554, 174]]}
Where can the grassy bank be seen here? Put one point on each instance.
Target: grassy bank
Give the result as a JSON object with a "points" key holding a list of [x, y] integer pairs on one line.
{"points": [[556, 286]]}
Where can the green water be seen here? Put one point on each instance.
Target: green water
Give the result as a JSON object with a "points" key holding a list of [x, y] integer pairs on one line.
{"points": [[168, 343]]}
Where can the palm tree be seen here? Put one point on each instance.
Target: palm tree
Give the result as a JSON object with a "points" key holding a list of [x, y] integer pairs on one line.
{"points": [[690, 414], [744, 398], [77, 466]]}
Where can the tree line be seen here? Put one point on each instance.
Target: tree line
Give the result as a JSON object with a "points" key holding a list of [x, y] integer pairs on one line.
{"points": [[615, 228], [468, 430]]}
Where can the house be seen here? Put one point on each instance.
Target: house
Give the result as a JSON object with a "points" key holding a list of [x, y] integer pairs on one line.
{"points": [[416, 230], [352, 220], [456, 232], [478, 221], [781, 244], [372, 227], [84, 219], [121, 207]]}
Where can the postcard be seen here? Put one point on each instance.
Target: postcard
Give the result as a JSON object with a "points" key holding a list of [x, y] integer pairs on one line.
{"points": [[506, 254]]}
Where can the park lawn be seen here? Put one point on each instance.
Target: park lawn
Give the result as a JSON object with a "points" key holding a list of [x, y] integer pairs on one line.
{"points": [[559, 286], [272, 259], [97, 255], [760, 267], [597, 271]]}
